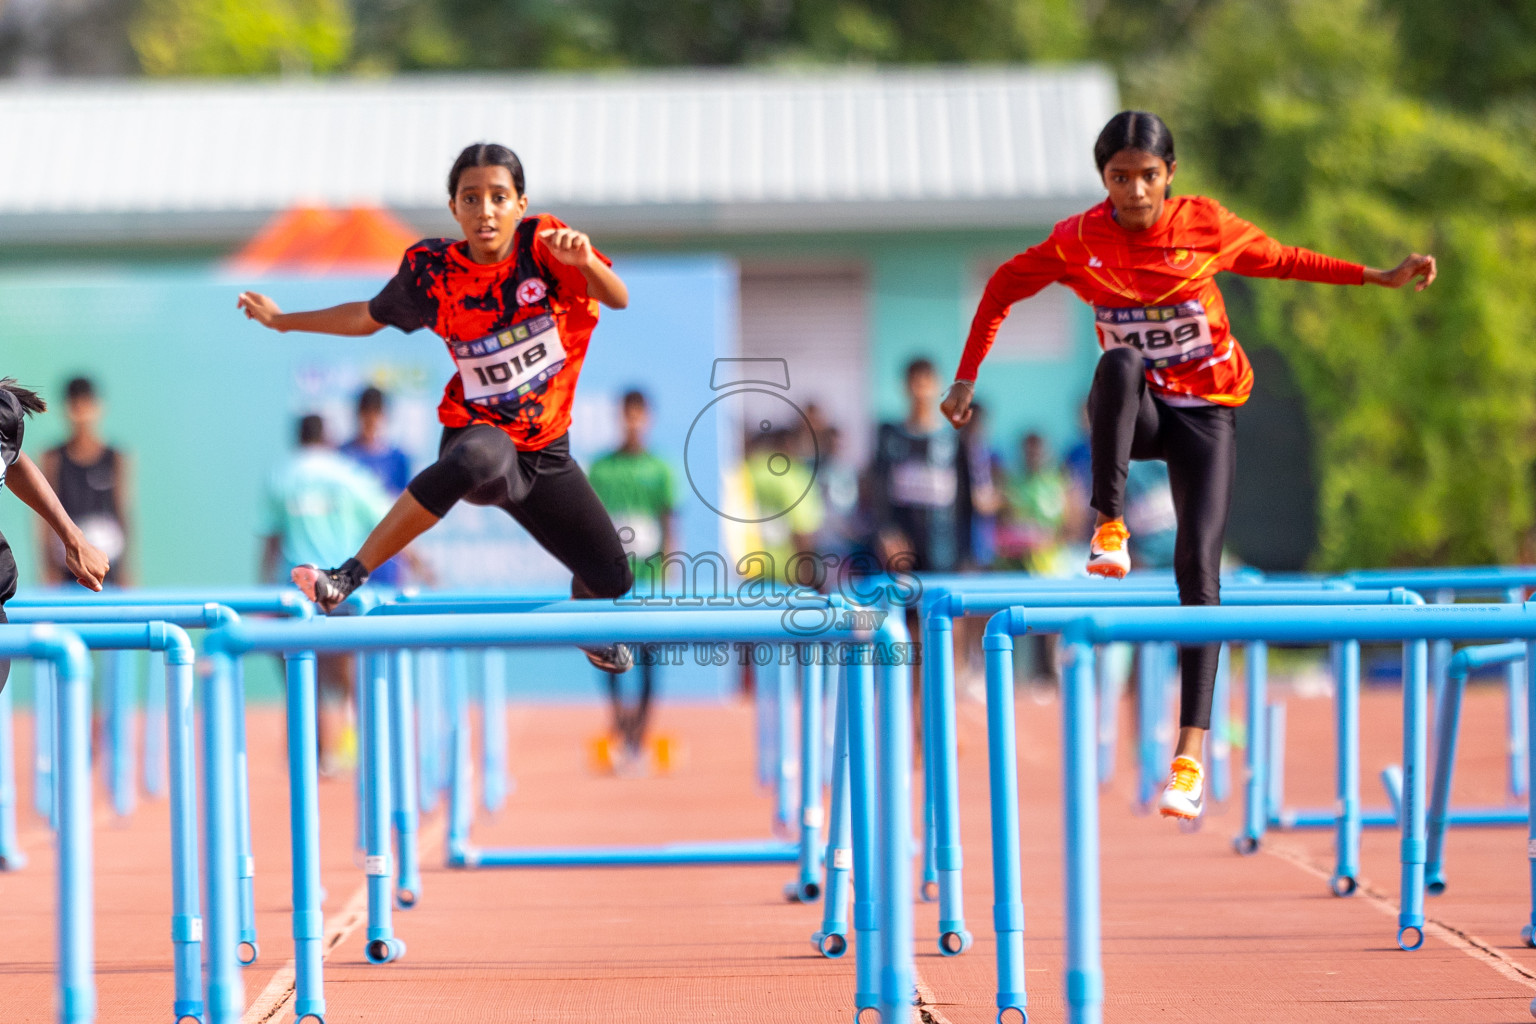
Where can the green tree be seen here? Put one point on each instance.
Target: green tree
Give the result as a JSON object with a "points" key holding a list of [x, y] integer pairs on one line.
{"points": [[574, 34], [1474, 53], [1293, 114], [241, 37]]}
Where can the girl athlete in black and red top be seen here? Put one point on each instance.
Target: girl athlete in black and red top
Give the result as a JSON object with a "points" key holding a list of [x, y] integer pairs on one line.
{"points": [[516, 302], [1171, 376]]}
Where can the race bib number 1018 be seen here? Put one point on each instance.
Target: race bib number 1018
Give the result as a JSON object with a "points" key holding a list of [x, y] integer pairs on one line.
{"points": [[1164, 335], [501, 368]]}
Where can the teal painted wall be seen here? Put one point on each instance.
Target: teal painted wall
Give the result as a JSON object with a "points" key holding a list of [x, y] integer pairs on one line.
{"points": [[917, 308], [922, 301], [922, 297]]}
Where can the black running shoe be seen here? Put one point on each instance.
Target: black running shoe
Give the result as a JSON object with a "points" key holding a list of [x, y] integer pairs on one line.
{"points": [[613, 658], [329, 587]]}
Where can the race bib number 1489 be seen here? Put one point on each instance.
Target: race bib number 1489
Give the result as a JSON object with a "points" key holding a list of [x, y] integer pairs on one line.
{"points": [[503, 367], [1164, 335]]}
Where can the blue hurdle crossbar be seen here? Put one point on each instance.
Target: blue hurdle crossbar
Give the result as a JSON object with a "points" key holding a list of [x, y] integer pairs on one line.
{"points": [[886, 975], [1413, 625], [1050, 610]]}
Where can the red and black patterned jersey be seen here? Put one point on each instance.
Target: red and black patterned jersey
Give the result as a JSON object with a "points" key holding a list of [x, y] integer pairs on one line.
{"points": [[518, 330]]}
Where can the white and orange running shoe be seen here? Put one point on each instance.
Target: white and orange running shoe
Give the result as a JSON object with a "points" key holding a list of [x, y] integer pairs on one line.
{"points": [[1184, 796], [1107, 555]]}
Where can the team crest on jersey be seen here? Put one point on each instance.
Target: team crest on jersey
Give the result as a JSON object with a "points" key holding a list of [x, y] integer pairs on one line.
{"points": [[531, 291], [1180, 258]]}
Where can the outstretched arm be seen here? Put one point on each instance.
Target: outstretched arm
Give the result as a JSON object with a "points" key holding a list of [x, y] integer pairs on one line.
{"points": [[349, 318], [83, 559], [47, 570], [1019, 278], [1247, 250]]}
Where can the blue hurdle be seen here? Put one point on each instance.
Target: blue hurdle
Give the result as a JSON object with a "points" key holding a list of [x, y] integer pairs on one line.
{"points": [[1413, 624], [775, 765], [801, 846], [285, 602], [1444, 585], [923, 590], [1447, 723], [186, 923], [1050, 609], [94, 610], [64, 651], [885, 947]]}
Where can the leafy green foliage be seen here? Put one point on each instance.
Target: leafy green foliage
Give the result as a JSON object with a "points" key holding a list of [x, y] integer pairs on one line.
{"points": [[241, 37], [1294, 113]]}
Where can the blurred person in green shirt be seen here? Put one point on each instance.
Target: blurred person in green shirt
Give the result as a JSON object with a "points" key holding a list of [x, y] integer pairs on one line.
{"points": [[1037, 504], [318, 508], [637, 488], [782, 513], [781, 484]]}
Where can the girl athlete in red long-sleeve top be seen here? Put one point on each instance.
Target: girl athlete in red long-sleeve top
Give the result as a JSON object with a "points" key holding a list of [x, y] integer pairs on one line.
{"points": [[1171, 376]]}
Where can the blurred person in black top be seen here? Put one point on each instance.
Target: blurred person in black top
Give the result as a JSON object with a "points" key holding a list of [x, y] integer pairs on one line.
{"points": [[987, 481], [372, 449], [82, 560], [91, 479], [920, 484]]}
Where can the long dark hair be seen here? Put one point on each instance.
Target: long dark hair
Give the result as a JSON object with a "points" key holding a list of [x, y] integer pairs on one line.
{"points": [[1133, 129], [485, 154], [30, 401]]}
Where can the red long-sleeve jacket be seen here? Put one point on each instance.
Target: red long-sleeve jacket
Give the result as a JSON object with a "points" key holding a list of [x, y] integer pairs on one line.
{"points": [[1155, 291]]}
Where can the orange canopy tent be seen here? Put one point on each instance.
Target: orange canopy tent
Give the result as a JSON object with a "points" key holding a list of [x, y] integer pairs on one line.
{"points": [[315, 240]]}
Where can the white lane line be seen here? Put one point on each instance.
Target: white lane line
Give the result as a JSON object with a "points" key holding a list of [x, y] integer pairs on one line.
{"points": [[1474, 947], [928, 1002]]}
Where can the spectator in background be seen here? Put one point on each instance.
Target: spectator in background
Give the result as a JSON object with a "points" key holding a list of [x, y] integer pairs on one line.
{"points": [[1076, 465], [987, 482], [1037, 501], [787, 506], [92, 480], [1150, 514], [782, 514], [319, 507], [819, 444], [372, 450], [837, 482], [638, 489], [920, 484]]}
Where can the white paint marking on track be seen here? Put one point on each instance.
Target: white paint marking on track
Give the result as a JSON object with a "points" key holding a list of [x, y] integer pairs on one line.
{"points": [[927, 1002], [1452, 936]]}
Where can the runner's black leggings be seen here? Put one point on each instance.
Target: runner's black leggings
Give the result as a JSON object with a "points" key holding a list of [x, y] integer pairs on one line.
{"points": [[544, 490], [1199, 443]]}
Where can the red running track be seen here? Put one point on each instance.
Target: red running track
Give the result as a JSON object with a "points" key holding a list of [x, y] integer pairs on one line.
{"points": [[1192, 931]]}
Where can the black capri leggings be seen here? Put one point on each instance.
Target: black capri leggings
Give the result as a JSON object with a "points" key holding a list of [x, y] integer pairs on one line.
{"points": [[1199, 443], [544, 490]]}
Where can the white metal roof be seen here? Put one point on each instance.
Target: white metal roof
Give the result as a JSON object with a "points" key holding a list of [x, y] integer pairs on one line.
{"points": [[692, 152]]}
